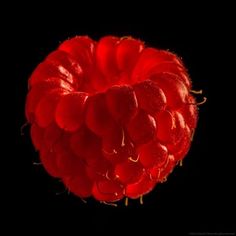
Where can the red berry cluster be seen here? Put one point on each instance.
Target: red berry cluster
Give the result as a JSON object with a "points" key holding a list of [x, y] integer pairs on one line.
{"points": [[110, 118]]}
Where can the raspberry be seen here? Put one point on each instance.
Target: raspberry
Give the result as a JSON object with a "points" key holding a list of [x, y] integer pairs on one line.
{"points": [[110, 118]]}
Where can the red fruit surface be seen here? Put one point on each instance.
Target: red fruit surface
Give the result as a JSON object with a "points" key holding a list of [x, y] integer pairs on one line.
{"points": [[110, 118]]}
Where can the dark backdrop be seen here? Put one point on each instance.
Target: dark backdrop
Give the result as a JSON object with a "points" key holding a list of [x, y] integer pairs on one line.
{"points": [[197, 198]]}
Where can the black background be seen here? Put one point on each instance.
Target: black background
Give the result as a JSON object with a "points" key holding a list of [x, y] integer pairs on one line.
{"points": [[197, 197]]}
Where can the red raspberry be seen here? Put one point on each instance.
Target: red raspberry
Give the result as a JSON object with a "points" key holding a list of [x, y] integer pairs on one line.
{"points": [[110, 118]]}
